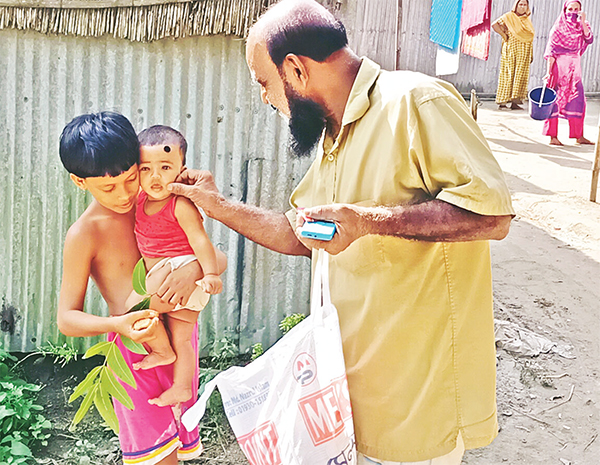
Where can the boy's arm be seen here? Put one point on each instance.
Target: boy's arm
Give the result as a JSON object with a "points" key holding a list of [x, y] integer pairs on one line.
{"points": [[190, 220], [72, 320]]}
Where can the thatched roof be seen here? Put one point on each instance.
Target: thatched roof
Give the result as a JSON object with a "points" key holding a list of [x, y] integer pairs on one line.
{"points": [[135, 20]]}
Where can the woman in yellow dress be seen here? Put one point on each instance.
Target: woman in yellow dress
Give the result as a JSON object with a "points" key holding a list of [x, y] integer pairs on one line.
{"points": [[517, 33]]}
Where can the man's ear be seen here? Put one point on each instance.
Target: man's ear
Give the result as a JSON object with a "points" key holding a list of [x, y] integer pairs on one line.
{"points": [[295, 70], [79, 182]]}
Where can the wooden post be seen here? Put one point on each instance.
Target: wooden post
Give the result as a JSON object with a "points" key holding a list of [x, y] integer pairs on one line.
{"points": [[595, 170], [474, 103]]}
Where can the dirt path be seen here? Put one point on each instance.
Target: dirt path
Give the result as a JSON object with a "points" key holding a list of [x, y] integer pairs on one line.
{"points": [[547, 280]]}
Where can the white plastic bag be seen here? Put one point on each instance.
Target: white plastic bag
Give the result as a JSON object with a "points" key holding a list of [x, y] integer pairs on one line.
{"points": [[291, 406]]}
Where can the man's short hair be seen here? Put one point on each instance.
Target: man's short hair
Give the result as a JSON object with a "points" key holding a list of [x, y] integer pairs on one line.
{"points": [[99, 144], [312, 36], [159, 135]]}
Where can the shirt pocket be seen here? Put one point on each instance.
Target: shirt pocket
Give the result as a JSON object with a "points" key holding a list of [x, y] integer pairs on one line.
{"points": [[365, 254]]}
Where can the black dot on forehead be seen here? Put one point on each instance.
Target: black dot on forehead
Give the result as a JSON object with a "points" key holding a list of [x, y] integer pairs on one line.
{"points": [[167, 148]]}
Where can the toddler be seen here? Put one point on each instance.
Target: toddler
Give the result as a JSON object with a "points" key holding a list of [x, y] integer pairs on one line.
{"points": [[170, 234]]}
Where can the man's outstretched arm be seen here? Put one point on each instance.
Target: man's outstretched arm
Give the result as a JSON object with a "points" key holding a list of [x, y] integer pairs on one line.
{"points": [[432, 221], [265, 227]]}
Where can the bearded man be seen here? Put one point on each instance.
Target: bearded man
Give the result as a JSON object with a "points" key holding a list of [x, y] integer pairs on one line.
{"points": [[404, 171]]}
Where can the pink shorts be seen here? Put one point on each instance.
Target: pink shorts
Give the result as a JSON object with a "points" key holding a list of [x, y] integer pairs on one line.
{"points": [[150, 433]]}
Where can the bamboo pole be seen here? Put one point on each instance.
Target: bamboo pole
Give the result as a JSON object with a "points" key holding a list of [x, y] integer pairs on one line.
{"points": [[596, 169]]}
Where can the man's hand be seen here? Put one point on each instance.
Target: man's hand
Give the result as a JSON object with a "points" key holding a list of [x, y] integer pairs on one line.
{"points": [[349, 221], [199, 187], [148, 322]]}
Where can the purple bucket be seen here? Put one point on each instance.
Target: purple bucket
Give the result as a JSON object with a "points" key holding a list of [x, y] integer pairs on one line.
{"points": [[543, 111]]}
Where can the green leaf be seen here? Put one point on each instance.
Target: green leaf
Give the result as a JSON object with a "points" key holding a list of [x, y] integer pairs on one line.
{"points": [[117, 363], [142, 305], [17, 448], [139, 278], [86, 403], [111, 385], [135, 347], [86, 383], [98, 349], [6, 412], [106, 409]]}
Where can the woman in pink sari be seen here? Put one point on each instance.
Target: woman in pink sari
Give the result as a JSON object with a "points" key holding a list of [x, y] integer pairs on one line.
{"points": [[569, 37]]}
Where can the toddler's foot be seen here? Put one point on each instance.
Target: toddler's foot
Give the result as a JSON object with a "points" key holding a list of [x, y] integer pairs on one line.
{"points": [[172, 396], [555, 141], [155, 359]]}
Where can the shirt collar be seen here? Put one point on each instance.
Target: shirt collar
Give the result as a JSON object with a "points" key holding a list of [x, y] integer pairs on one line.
{"points": [[358, 101]]}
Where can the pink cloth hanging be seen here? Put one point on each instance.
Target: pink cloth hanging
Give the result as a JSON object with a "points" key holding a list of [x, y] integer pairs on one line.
{"points": [[475, 26], [474, 13]]}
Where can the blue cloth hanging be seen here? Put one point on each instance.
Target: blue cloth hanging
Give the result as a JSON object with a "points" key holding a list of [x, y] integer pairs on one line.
{"points": [[444, 27]]}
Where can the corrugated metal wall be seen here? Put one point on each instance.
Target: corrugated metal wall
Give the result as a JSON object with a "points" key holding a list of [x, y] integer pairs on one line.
{"points": [[372, 27], [418, 53], [202, 86], [199, 85]]}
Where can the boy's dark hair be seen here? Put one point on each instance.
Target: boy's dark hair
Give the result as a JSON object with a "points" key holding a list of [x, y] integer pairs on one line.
{"points": [[306, 34], [159, 135], [99, 144]]}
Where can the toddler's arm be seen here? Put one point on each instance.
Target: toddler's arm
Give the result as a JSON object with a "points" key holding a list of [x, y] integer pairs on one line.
{"points": [[191, 222]]}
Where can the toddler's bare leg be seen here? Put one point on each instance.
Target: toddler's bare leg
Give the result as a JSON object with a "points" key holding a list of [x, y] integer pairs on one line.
{"points": [[161, 352], [183, 370]]}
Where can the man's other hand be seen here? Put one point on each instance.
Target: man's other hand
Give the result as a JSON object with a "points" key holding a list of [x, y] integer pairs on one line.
{"points": [[349, 221]]}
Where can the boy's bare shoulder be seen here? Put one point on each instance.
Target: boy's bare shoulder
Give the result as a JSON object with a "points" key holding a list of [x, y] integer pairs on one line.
{"points": [[84, 231], [93, 226]]}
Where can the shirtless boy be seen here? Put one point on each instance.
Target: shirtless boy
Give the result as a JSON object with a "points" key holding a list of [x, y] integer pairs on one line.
{"points": [[101, 152]]}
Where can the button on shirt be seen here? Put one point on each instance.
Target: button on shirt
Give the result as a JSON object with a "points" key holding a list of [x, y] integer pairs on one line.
{"points": [[416, 317]]}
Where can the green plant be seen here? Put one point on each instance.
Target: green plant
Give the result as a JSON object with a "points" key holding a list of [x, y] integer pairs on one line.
{"points": [[290, 321], [82, 452], [62, 354], [22, 425], [257, 351], [101, 383], [139, 286], [285, 325]]}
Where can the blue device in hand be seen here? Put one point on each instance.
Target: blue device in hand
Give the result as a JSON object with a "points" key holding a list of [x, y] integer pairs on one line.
{"points": [[320, 230]]}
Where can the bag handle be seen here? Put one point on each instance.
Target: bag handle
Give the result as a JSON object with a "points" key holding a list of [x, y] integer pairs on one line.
{"points": [[542, 96], [194, 414], [320, 294]]}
